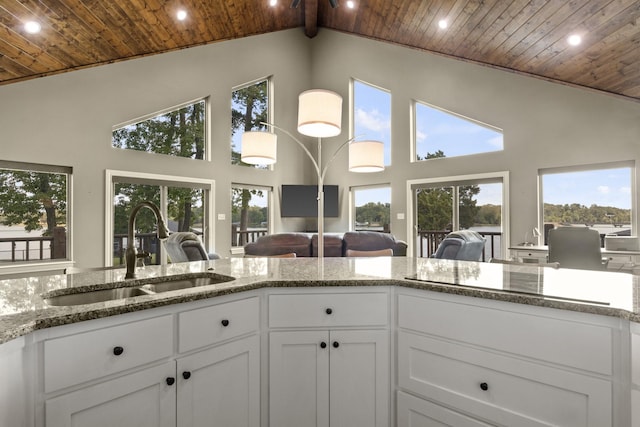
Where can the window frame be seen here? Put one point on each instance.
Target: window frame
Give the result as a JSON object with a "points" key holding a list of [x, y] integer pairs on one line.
{"points": [[458, 180], [352, 201], [591, 167], [161, 180], [235, 250], [50, 264]]}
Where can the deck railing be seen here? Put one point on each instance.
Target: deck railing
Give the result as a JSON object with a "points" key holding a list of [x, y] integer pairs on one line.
{"points": [[431, 239]]}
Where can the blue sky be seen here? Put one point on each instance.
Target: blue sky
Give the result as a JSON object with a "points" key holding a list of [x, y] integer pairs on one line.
{"points": [[606, 187]]}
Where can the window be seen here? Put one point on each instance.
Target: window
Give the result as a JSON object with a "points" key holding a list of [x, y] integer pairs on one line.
{"points": [[183, 202], [372, 208], [438, 133], [179, 132], [34, 219], [249, 107], [250, 213], [598, 196], [476, 202], [372, 115]]}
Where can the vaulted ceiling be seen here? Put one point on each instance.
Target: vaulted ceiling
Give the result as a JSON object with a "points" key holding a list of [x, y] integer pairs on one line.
{"points": [[525, 36]]}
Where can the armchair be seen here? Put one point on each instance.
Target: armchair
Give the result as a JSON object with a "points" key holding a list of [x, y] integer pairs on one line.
{"points": [[576, 247]]}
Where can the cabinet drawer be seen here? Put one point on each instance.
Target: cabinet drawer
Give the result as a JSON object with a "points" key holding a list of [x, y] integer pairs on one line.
{"points": [[89, 355], [414, 412], [209, 325], [504, 390], [328, 310], [561, 341]]}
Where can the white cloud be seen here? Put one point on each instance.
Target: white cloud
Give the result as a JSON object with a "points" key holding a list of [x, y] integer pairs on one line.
{"points": [[625, 190], [421, 136], [496, 141], [372, 120], [604, 189]]}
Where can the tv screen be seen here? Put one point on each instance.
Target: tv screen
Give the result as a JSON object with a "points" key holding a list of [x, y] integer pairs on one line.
{"points": [[302, 201]]}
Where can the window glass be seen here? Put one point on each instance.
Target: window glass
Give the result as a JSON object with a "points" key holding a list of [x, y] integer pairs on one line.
{"points": [[459, 206], [179, 132], [33, 213], [249, 107], [249, 214], [372, 208], [372, 116], [183, 204], [599, 198], [441, 134]]}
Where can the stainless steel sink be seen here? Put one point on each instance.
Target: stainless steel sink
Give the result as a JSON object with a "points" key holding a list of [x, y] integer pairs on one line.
{"points": [[95, 296], [174, 285], [156, 286]]}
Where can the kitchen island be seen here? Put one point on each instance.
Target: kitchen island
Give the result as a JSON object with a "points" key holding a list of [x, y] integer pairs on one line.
{"points": [[541, 335]]}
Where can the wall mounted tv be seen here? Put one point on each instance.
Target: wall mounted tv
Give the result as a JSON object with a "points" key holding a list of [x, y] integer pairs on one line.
{"points": [[302, 201]]}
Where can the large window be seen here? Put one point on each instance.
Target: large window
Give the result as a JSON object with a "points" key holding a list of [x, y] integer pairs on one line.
{"points": [[250, 214], [372, 115], [249, 108], [460, 203], [184, 204], [372, 208], [34, 219], [177, 132], [438, 133], [598, 196]]}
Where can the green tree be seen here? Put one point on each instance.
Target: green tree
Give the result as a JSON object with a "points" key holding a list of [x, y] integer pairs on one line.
{"points": [[36, 200], [248, 110], [374, 213]]}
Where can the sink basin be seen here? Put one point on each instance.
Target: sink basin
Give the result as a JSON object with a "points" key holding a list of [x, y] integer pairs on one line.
{"points": [[95, 296], [174, 285], [157, 285]]}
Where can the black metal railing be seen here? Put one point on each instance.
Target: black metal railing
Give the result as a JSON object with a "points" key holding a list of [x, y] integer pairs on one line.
{"points": [[429, 240]]}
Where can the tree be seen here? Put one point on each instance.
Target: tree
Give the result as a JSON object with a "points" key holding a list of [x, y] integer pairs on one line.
{"points": [[249, 109], [36, 200]]}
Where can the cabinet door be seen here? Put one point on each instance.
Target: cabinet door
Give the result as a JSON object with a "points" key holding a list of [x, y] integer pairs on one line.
{"points": [[414, 412], [359, 378], [141, 399], [299, 379], [221, 385]]}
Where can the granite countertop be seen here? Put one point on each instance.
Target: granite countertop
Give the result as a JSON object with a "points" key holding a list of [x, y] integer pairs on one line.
{"points": [[23, 308]]}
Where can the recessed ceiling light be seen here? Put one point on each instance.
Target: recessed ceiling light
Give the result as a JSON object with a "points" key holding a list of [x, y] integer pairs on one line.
{"points": [[443, 24], [32, 27], [273, 3], [351, 4], [181, 15], [574, 40]]}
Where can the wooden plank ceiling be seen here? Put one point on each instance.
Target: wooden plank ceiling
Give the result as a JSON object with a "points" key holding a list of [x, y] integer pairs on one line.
{"points": [[526, 36]]}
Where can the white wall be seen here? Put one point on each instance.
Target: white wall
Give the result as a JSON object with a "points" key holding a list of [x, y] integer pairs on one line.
{"points": [[545, 124], [67, 120]]}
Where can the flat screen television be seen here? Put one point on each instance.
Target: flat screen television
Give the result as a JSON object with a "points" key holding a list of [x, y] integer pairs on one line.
{"points": [[302, 201]]}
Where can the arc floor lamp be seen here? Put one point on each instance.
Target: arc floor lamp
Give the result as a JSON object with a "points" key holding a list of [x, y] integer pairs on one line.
{"points": [[319, 116]]}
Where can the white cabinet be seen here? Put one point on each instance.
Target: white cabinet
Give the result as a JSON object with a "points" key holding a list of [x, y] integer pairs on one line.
{"points": [[329, 359], [635, 374], [415, 412], [329, 378], [135, 373], [221, 384], [146, 398], [15, 377], [504, 364]]}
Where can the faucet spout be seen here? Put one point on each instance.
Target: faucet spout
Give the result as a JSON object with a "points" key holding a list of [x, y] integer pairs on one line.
{"points": [[131, 254]]}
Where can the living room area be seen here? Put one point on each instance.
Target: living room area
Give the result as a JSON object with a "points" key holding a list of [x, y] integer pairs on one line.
{"points": [[545, 127]]}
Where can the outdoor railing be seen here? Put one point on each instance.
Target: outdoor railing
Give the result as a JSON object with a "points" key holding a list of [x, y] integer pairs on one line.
{"points": [[242, 237], [429, 240], [24, 252]]}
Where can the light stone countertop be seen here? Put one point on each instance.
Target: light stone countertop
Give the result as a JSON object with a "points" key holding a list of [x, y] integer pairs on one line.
{"points": [[23, 309]]}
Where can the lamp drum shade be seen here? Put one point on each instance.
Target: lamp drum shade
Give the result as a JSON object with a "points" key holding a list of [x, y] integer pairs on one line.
{"points": [[366, 156], [319, 113], [259, 148]]}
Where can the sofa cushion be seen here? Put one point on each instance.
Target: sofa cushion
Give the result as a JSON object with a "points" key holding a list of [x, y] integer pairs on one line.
{"points": [[279, 244], [332, 245], [373, 241]]}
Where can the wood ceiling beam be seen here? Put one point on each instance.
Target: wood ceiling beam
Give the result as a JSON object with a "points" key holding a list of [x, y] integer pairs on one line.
{"points": [[311, 18]]}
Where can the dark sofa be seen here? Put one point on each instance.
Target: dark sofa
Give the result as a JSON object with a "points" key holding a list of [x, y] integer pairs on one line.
{"points": [[335, 245]]}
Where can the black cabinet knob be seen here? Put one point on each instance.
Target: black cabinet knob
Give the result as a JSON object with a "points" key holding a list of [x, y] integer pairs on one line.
{"points": [[225, 322], [323, 344], [117, 350], [170, 380], [186, 375], [336, 344], [484, 386], [328, 311]]}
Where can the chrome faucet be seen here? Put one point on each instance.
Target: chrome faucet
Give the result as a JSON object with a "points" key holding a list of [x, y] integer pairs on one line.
{"points": [[131, 254]]}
